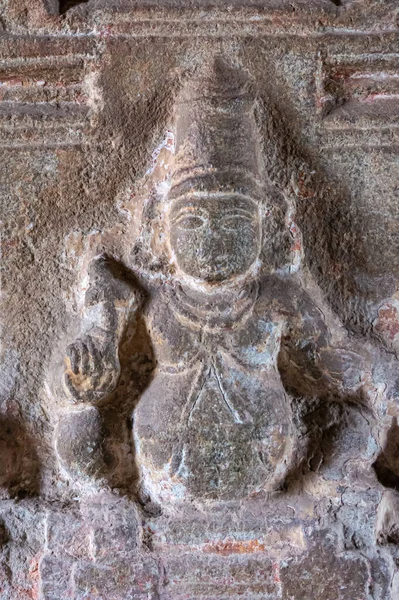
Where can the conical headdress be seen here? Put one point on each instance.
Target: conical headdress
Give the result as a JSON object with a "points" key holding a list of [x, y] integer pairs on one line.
{"points": [[217, 141]]}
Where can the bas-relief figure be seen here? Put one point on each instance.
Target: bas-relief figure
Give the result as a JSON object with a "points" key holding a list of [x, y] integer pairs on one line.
{"points": [[234, 333]]}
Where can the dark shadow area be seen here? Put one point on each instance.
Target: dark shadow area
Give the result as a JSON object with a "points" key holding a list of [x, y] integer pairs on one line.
{"points": [[66, 5], [137, 365], [393, 535], [332, 441], [19, 466], [314, 418], [4, 535], [51, 6], [387, 464], [333, 428]]}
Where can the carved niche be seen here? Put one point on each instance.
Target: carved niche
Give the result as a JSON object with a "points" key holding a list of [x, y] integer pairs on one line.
{"points": [[214, 274]]}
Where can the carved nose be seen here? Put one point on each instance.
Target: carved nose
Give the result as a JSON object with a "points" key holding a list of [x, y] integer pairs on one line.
{"points": [[210, 243], [213, 231]]}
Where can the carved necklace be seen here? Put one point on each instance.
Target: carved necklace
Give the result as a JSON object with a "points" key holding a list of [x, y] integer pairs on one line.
{"points": [[217, 311]]}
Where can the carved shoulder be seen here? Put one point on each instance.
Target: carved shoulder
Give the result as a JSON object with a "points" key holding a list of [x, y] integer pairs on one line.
{"points": [[110, 281], [284, 295]]}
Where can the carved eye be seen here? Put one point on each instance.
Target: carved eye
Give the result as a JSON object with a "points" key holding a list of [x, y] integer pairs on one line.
{"points": [[231, 222], [189, 222]]}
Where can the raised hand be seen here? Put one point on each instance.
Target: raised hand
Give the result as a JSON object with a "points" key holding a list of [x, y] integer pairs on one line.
{"points": [[92, 367]]}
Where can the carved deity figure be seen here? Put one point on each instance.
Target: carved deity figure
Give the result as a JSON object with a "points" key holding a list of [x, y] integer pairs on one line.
{"points": [[233, 331]]}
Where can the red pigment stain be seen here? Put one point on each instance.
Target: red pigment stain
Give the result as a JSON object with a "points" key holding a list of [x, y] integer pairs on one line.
{"points": [[34, 576], [388, 321], [106, 32], [305, 191], [276, 573], [226, 547], [296, 247], [321, 101], [336, 269], [378, 96]]}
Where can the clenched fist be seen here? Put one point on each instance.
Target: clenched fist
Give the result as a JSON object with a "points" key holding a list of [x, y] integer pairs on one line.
{"points": [[92, 367]]}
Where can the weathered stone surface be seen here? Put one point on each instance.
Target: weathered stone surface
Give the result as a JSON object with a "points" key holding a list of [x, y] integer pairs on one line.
{"points": [[199, 318], [198, 576], [324, 575]]}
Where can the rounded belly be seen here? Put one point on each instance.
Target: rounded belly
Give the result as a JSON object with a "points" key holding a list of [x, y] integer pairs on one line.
{"points": [[213, 433]]}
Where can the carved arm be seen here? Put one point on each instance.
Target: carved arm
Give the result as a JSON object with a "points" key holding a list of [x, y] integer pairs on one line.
{"points": [[312, 365], [92, 366]]}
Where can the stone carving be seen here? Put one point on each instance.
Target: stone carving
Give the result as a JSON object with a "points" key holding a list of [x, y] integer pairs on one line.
{"points": [[233, 331], [132, 352]]}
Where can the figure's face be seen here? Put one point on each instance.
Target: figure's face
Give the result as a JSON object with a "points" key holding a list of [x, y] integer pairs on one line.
{"points": [[214, 239]]}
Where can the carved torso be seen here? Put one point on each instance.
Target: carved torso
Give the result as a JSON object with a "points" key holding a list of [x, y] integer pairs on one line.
{"points": [[215, 420]]}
